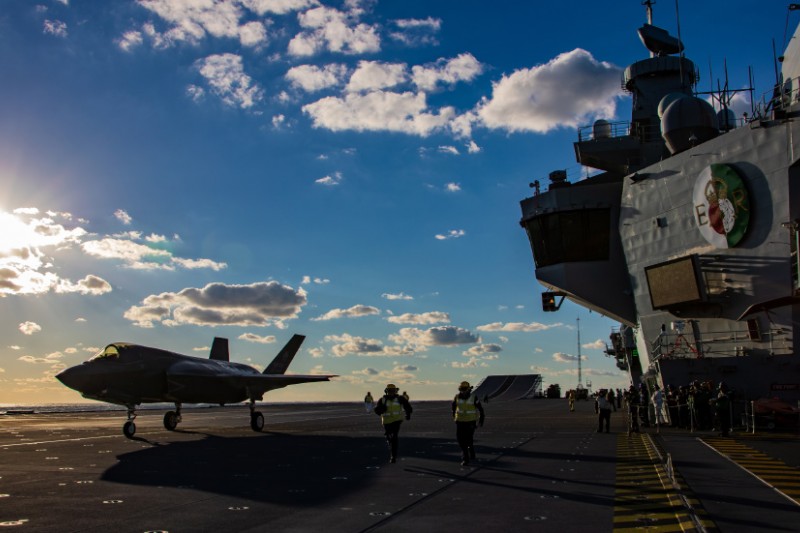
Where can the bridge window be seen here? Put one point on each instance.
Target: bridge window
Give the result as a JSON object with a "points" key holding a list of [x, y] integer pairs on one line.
{"points": [[569, 236]]}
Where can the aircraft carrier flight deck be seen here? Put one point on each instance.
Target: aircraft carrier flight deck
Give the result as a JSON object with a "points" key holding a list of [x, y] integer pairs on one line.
{"points": [[324, 467]]}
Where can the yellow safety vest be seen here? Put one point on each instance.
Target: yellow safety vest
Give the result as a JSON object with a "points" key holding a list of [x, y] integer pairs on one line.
{"points": [[465, 409], [393, 413]]}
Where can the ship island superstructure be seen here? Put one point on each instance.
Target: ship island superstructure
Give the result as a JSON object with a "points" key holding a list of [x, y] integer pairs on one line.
{"points": [[689, 235]]}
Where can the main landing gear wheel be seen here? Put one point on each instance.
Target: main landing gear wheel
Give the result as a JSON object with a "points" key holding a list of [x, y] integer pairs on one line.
{"points": [[171, 420], [129, 429], [257, 421]]}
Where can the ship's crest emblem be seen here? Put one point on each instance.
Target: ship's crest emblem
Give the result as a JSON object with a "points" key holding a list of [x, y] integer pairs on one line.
{"points": [[721, 206]]}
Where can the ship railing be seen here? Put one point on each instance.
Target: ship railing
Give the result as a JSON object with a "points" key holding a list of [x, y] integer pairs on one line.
{"points": [[683, 345], [778, 100], [619, 129]]}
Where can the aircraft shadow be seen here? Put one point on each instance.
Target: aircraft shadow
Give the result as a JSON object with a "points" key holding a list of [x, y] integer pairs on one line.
{"points": [[300, 470]]}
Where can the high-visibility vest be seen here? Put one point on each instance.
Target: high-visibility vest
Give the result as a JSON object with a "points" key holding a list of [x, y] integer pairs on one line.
{"points": [[394, 411], [466, 411]]}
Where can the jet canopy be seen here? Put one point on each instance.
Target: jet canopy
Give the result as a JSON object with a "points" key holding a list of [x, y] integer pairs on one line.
{"points": [[109, 352]]}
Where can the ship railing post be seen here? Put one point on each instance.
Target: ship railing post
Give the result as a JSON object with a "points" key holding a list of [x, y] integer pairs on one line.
{"points": [[753, 415]]}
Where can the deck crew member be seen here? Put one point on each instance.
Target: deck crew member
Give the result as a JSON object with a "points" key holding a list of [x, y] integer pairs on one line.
{"points": [[391, 407], [468, 414], [571, 397], [369, 402]]}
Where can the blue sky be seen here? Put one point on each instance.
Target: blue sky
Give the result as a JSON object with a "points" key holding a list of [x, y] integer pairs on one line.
{"points": [[175, 170]]}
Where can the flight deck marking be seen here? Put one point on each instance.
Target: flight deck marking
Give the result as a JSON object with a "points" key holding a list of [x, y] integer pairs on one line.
{"points": [[773, 473], [644, 496]]}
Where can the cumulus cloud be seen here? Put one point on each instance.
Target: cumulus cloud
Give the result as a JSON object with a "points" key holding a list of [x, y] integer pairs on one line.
{"points": [[356, 311], [596, 345], [405, 112], [252, 337], [415, 339], [218, 304], [123, 216], [49, 359], [559, 357], [432, 317], [130, 40], [91, 284], [464, 67], [375, 75], [56, 28], [25, 268], [565, 92], [416, 32], [29, 328], [225, 75], [452, 187], [398, 296], [143, 257], [452, 234], [482, 349], [517, 326], [312, 78], [318, 281], [328, 29], [347, 344], [330, 180]]}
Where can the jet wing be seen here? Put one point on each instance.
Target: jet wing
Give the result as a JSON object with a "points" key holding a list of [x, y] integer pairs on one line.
{"points": [[268, 382]]}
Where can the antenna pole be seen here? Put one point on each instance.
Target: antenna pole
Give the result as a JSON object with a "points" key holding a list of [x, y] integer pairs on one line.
{"points": [[580, 380], [649, 5]]}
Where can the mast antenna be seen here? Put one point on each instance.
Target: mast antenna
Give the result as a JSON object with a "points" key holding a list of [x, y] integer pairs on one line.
{"points": [[580, 380]]}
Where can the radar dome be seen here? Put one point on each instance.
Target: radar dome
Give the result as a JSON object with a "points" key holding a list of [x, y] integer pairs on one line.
{"points": [[727, 119], [668, 99], [688, 122], [601, 129]]}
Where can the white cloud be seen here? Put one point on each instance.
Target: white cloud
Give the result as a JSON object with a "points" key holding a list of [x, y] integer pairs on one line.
{"points": [[398, 296], [448, 150], [312, 78], [318, 281], [482, 350], [329, 29], [452, 234], [432, 317], [559, 357], [142, 257], [565, 92], [416, 32], [452, 187], [130, 40], [347, 344], [278, 121], [330, 180], [518, 326], [123, 217], [252, 337], [225, 74], [353, 312], [217, 304], [278, 7], [29, 328], [446, 71], [375, 75], [91, 284], [596, 345], [56, 28], [378, 111], [414, 338], [472, 147]]}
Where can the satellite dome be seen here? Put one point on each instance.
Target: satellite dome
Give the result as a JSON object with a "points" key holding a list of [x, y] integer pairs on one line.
{"points": [[727, 119], [601, 129], [668, 99], [688, 122]]}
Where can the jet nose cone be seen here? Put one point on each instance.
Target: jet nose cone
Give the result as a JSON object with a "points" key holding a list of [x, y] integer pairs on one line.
{"points": [[70, 378]]}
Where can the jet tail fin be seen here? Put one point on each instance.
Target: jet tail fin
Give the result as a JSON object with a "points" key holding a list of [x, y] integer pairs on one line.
{"points": [[285, 356], [219, 350]]}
